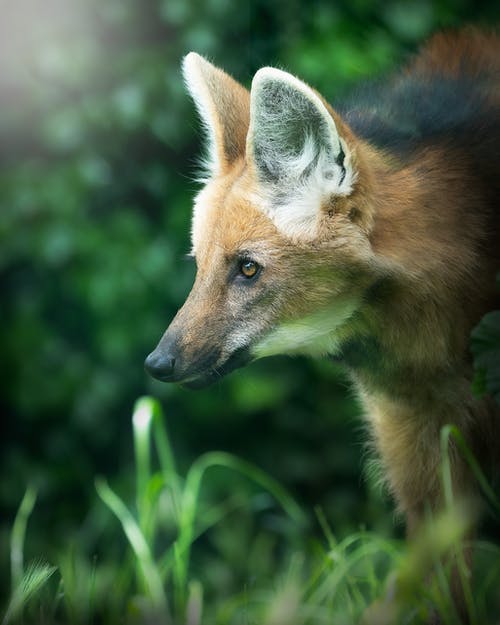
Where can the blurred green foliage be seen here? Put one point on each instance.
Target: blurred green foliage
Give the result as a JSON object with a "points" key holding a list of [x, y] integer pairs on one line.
{"points": [[98, 142], [238, 559], [485, 348]]}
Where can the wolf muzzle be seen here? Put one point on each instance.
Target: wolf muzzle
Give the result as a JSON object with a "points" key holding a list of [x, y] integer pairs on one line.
{"points": [[167, 364]]}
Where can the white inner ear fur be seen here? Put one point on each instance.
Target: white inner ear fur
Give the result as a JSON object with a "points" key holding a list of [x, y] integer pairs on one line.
{"points": [[299, 156], [192, 71]]}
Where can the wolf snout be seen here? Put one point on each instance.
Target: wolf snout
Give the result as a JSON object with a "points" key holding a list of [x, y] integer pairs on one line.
{"points": [[175, 361], [160, 365]]}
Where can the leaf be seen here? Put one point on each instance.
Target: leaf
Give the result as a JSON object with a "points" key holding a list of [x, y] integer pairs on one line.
{"points": [[485, 347]]}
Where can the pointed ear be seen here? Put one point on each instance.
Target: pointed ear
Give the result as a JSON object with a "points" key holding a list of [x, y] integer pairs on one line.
{"points": [[224, 107], [295, 148]]}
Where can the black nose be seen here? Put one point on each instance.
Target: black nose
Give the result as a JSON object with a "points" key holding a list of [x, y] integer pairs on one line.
{"points": [[160, 365]]}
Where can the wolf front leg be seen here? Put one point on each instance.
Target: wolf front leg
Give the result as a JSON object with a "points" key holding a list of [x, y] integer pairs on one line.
{"points": [[408, 440]]}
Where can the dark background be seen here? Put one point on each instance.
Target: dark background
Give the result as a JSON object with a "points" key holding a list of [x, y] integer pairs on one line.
{"points": [[98, 143]]}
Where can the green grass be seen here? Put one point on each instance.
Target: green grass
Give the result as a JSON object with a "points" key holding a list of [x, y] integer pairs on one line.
{"points": [[193, 557]]}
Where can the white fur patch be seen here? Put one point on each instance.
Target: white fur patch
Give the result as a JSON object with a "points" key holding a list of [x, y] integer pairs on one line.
{"points": [[242, 337], [198, 219], [318, 334], [295, 145], [296, 213], [192, 71], [296, 93]]}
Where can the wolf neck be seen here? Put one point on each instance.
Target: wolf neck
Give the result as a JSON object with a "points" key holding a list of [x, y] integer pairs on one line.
{"points": [[413, 326], [401, 347]]}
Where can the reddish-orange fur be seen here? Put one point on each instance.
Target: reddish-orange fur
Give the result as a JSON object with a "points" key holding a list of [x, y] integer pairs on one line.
{"points": [[412, 250]]}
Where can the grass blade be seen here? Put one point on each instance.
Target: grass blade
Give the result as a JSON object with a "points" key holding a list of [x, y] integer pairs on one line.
{"points": [[18, 536], [31, 582], [148, 421], [451, 431], [141, 423], [190, 502], [165, 453], [148, 568]]}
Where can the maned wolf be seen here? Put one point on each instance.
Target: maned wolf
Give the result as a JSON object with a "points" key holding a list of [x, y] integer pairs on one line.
{"points": [[368, 233]]}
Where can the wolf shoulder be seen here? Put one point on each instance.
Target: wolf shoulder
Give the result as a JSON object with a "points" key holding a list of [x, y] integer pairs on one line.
{"points": [[449, 91]]}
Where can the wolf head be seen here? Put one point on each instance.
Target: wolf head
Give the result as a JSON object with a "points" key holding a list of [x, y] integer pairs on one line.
{"points": [[280, 230]]}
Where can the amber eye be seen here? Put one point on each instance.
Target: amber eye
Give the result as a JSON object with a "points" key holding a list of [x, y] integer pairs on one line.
{"points": [[249, 268]]}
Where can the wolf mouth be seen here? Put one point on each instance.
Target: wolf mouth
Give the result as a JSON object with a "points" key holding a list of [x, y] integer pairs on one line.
{"points": [[239, 358]]}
